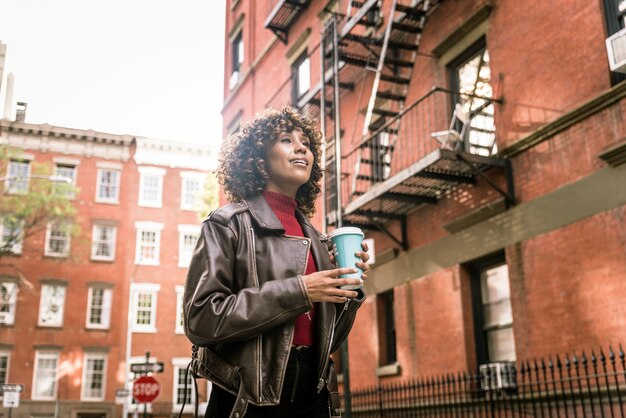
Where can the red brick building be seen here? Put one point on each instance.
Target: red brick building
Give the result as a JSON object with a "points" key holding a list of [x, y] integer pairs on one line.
{"points": [[91, 303], [481, 148]]}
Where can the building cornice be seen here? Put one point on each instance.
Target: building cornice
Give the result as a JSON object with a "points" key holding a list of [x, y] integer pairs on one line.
{"points": [[175, 154], [69, 141]]}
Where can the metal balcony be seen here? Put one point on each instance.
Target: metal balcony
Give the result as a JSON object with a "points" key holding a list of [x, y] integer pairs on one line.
{"points": [[282, 16]]}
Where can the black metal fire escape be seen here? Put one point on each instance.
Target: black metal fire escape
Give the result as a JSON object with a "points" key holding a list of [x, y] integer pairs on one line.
{"points": [[349, 50]]}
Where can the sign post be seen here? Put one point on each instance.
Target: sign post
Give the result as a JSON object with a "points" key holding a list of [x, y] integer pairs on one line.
{"points": [[11, 395], [146, 388]]}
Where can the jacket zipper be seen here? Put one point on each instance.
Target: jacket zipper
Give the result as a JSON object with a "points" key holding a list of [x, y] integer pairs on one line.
{"points": [[325, 358], [260, 338]]}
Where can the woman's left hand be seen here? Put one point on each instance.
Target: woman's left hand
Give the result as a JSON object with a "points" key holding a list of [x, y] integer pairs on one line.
{"points": [[363, 255]]}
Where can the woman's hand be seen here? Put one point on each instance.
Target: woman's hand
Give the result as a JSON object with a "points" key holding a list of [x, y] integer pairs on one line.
{"points": [[323, 286], [364, 256]]}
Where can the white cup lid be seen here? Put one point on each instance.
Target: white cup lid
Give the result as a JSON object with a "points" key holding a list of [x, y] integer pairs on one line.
{"points": [[346, 230]]}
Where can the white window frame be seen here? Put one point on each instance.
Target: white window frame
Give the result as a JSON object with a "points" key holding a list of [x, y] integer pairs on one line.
{"points": [[184, 256], [8, 318], [49, 227], [7, 355], [9, 185], [45, 355], [179, 327], [237, 52], [17, 246], [105, 167], [179, 365], [184, 192], [71, 193], [94, 243], [83, 392], [107, 302], [147, 226], [153, 290], [144, 173], [61, 314]]}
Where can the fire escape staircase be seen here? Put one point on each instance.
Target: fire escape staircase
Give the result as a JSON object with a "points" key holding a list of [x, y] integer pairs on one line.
{"points": [[396, 51]]}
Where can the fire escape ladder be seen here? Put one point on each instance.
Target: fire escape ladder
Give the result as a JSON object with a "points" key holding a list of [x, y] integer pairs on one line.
{"points": [[398, 49]]}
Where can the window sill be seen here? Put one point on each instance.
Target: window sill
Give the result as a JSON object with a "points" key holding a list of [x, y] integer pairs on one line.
{"points": [[56, 255], [93, 328], [393, 369], [144, 331], [103, 260], [108, 202], [158, 205], [147, 263]]}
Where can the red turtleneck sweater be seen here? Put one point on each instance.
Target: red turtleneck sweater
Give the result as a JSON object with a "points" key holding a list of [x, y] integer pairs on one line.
{"points": [[284, 208]]}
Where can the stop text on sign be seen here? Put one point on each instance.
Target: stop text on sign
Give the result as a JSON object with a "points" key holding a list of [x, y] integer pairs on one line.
{"points": [[146, 389]]}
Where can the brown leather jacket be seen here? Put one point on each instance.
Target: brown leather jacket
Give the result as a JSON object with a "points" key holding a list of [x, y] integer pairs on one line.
{"points": [[243, 292]]}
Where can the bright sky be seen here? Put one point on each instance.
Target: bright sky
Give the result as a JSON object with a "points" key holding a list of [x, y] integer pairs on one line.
{"points": [[141, 67]]}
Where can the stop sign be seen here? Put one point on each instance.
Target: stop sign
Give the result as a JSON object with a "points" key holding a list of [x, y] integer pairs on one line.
{"points": [[146, 389]]}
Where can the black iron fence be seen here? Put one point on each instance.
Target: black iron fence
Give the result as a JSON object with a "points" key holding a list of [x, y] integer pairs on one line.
{"points": [[578, 385]]}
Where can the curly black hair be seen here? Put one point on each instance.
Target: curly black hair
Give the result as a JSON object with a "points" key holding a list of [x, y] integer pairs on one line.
{"points": [[241, 169]]}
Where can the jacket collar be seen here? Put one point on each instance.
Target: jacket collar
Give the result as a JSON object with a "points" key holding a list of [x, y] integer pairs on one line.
{"points": [[263, 213], [266, 219]]}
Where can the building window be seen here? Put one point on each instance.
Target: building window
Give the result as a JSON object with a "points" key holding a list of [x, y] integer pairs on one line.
{"points": [[180, 317], [17, 174], [51, 305], [8, 300], [108, 185], [187, 238], [148, 243], [191, 190], [99, 307], [4, 368], [103, 242], [94, 377], [237, 59], [45, 375], [65, 189], [151, 187], [11, 235], [144, 307], [386, 328], [301, 77], [57, 239], [183, 393], [615, 20], [493, 316], [470, 75]]}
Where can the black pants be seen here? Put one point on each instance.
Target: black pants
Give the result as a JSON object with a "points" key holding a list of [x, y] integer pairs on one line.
{"points": [[299, 398]]}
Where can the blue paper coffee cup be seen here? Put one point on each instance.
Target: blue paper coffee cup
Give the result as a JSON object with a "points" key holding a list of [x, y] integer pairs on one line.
{"points": [[346, 242]]}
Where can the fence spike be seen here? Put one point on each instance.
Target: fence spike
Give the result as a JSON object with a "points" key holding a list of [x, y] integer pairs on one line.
{"points": [[558, 363], [575, 359], [593, 357], [584, 359], [621, 352]]}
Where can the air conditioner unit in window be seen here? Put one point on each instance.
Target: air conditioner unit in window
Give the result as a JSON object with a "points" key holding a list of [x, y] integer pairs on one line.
{"points": [[498, 375], [616, 50]]}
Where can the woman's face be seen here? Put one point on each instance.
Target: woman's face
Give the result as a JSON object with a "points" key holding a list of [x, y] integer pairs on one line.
{"points": [[289, 163]]}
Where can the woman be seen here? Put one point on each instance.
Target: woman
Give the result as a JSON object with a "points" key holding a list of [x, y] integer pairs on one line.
{"points": [[262, 298]]}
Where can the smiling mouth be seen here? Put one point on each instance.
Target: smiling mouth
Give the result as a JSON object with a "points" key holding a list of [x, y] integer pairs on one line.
{"points": [[300, 162]]}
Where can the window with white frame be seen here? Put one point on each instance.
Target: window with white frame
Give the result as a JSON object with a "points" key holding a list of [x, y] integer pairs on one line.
{"points": [[11, 237], [94, 376], [99, 307], [68, 171], [8, 300], [183, 388], [148, 243], [180, 321], [17, 173], [144, 307], [103, 242], [57, 239], [51, 305], [237, 57], [45, 375], [191, 190], [187, 237], [151, 186], [108, 185], [4, 367], [301, 77]]}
